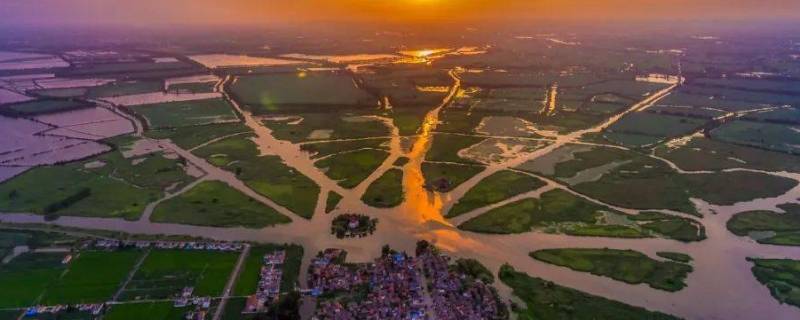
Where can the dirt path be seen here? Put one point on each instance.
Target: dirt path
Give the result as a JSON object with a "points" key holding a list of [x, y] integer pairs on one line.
{"points": [[130, 275], [231, 282]]}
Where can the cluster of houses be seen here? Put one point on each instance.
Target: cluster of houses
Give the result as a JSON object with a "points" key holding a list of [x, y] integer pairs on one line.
{"points": [[269, 284], [94, 309], [201, 309], [327, 274], [112, 244], [186, 299], [389, 288], [399, 286], [455, 296]]}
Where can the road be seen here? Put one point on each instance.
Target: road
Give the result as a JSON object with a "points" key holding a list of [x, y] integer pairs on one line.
{"points": [[231, 282]]}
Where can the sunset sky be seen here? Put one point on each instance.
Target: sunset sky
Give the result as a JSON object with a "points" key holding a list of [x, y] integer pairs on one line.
{"points": [[192, 12]]}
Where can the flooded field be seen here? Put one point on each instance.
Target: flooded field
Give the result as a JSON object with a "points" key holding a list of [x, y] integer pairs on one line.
{"points": [[509, 126], [8, 172], [60, 83], [16, 55], [38, 63], [343, 59], [228, 60], [7, 96], [23, 144], [159, 97], [193, 79], [500, 150], [91, 124]]}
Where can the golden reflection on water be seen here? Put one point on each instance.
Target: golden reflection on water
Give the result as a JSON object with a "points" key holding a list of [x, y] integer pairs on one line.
{"points": [[421, 56], [423, 53], [453, 241], [423, 205]]}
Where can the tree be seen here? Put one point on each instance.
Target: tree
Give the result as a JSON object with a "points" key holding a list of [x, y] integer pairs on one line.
{"points": [[287, 308]]}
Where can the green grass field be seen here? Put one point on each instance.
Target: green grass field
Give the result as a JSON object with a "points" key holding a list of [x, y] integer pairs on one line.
{"points": [[495, 188], [60, 92], [554, 207], [283, 91], [401, 161], [332, 201], [10, 238], [119, 188], [323, 149], [631, 140], [408, 122], [191, 137], [708, 154], [734, 96], [625, 88], [547, 300], [590, 159], [115, 89], [10, 314], [93, 276], [214, 203], [332, 125], [149, 310], [165, 273], [267, 175], [445, 148], [612, 230], [458, 121], [749, 84], [475, 269], [193, 87], [43, 191], [186, 113], [768, 136], [716, 188], [645, 183], [142, 69], [455, 174], [351, 168], [656, 125], [671, 226], [785, 226], [623, 265], [782, 277], [27, 276], [37, 107], [153, 172], [387, 191], [233, 310], [247, 282], [399, 83], [675, 256]]}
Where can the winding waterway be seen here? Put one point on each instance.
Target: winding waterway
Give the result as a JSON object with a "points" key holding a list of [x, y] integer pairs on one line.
{"points": [[721, 286]]}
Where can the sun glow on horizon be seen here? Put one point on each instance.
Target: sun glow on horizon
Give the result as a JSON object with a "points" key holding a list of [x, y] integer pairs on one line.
{"points": [[422, 53]]}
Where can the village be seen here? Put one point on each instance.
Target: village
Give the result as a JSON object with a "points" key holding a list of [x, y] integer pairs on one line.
{"points": [[394, 286], [399, 286]]}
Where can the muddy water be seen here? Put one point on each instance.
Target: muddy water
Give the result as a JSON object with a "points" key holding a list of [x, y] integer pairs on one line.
{"points": [[721, 287]]}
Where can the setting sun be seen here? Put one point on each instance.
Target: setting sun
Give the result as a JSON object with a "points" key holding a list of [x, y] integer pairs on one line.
{"points": [[423, 53]]}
